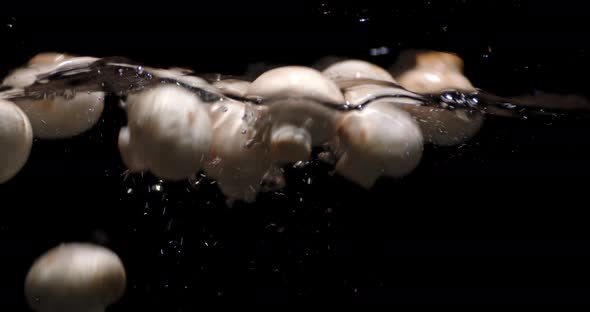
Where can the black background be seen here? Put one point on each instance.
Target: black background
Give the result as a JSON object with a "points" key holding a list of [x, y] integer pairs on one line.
{"points": [[501, 219]]}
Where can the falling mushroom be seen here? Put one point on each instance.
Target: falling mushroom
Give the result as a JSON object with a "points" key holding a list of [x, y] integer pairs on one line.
{"points": [[16, 139], [75, 277]]}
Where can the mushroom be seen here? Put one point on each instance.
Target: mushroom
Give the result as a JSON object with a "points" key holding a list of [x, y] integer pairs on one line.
{"points": [[16, 139], [433, 72], [356, 69], [362, 81], [379, 140], [168, 132], [57, 117], [299, 111], [75, 277], [235, 162]]}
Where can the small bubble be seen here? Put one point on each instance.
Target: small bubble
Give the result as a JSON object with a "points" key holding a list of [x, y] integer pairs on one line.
{"points": [[300, 164], [9, 25], [120, 71], [139, 70], [243, 131], [157, 187], [324, 9], [224, 109], [379, 51]]}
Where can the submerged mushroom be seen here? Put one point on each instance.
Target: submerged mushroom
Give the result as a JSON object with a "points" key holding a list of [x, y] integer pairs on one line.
{"points": [[433, 72], [363, 82], [235, 162], [55, 117], [16, 139], [299, 112], [75, 277], [378, 140], [168, 132]]}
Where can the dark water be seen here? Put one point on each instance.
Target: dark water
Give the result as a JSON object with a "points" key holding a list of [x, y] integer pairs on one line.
{"points": [[499, 219]]}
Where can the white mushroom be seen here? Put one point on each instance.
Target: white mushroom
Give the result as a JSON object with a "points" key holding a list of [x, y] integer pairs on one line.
{"points": [[300, 118], [356, 69], [16, 139], [362, 88], [60, 116], [168, 132], [379, 140], [433, 72], [75, 277], [236, 163]]}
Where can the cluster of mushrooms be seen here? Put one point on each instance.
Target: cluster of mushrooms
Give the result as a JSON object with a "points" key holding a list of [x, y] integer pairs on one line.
{"points": [[368, 118], [371, 120]]}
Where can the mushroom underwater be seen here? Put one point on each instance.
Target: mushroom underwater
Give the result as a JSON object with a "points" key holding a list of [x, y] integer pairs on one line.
{"points": [[240, 131], [372, 121]]}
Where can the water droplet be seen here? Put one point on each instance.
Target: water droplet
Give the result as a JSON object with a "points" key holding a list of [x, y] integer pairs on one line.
{"points": [[120, 71], [224, 109], [379, 51], [139, 70], [156, 187], [69, 94], [300, 164], [324, 9], [243, 131]]}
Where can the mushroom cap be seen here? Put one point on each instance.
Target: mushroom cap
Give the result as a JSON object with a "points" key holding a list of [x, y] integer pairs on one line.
{"points": [[171, 129], [433, 72], [43, 63], [59, 117], [49, 58], [355, 69], [16, 140], [295, 81], [75, 277], [379, 140]]}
